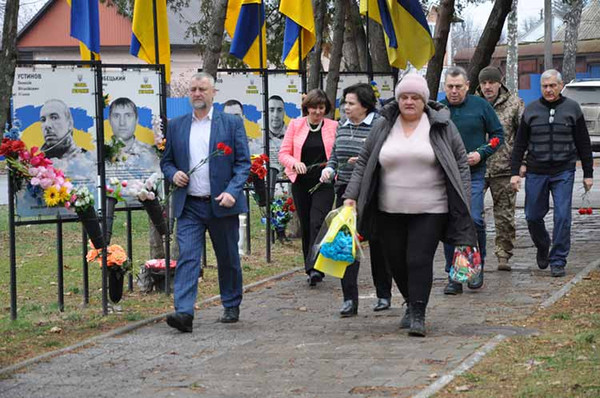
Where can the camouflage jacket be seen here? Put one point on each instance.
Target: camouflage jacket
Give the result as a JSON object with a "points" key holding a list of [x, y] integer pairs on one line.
{"points": [[509, 109]]}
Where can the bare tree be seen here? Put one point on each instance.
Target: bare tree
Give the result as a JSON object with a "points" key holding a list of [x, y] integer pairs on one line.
{"points": [[350, 55], [440, 41], [8, 59], [212, 54], [512, 55], [314, 70], [333, 75], [489, 39], [465, 35], [528, 23], [572, 19]]}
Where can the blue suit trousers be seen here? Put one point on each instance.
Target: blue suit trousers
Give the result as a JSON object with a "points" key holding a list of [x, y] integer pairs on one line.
{"points": [[196, 218]]}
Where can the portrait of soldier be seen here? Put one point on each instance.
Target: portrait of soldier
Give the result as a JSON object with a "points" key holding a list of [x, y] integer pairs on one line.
{"points": [[57, 129], [233, 107], [276, 117], [123, 118]]}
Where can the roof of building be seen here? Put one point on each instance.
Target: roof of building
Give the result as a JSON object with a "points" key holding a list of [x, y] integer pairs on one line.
{"points": [[536, 33], [50, 27], [532, 49], [589, 26]]}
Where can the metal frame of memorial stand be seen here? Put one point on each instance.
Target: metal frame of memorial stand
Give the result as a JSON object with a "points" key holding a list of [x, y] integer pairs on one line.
{"points": [[264, 72], [60, 220]]}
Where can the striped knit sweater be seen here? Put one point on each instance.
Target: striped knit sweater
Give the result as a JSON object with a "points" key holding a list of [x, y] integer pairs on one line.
{"points": [[349, 140]]}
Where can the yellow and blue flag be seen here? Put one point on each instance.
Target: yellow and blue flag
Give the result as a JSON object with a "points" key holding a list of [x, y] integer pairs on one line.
{"points": [[299, 27], [243, 22], [85, 27], [407, 33], [142, 37]]}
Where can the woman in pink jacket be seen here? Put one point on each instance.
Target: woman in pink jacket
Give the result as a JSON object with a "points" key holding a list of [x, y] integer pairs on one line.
{"points": [[304, 152]]}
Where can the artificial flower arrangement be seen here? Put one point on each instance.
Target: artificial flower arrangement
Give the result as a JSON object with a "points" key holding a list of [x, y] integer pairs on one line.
{"points": [[116, 188], [145, 190], [281, 214], [258, 172], [160, 141], [118, 265], [113, 150], [32, 167], [147, 193]]}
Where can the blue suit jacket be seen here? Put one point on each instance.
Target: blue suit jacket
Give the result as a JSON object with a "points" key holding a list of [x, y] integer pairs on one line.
{"points": [[227, 173]]}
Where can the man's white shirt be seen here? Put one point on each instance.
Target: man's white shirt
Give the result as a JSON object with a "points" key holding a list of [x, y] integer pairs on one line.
{"points": [[199, 184]]}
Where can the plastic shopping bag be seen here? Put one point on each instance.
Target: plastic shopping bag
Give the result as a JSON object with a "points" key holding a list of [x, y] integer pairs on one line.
{"points": [[338, 245], [466, 264]]}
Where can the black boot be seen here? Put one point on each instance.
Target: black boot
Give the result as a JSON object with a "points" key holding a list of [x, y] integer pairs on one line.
{"points": [[417, 319], [405, 321]]}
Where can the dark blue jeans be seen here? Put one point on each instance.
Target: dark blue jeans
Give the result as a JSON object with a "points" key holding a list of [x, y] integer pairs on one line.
{"points": [[537, 195], [477, 196]]}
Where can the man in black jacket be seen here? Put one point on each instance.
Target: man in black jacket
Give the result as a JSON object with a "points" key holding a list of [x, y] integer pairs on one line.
{"points": [[554, 133]]}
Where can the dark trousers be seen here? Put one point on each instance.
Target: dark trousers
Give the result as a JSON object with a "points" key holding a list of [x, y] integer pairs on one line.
{"points": [[312, 209], [409, 242], [382, 276]]}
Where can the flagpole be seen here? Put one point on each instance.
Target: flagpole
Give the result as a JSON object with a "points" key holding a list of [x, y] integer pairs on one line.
{"points": [[263, 71], [301, 63], [369, 61], [163, 112]]}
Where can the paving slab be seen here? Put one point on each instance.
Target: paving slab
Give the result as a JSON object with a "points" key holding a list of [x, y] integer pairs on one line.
{"points": [[290, 340]]}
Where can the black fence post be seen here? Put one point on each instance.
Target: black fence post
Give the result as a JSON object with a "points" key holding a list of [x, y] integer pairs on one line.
{"points": [[60, 269], [85, 268]]}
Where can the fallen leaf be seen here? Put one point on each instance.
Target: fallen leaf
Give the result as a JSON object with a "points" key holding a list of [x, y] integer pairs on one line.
{"points": [[433, 376], [463, 388], [303, 309], [56, 329]]}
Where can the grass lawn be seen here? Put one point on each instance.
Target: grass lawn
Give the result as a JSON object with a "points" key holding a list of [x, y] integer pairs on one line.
{"points": [[41, 327], [562, 361]]}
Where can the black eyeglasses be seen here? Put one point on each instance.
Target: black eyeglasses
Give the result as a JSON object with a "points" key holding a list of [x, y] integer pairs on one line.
{"points": [[551, 118]]}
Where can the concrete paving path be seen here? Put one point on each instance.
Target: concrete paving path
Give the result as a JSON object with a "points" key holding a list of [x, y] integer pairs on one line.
{"points": [[291, 342]]}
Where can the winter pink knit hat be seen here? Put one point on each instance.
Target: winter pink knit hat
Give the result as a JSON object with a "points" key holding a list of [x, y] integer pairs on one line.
{"points": [[413, 83]]}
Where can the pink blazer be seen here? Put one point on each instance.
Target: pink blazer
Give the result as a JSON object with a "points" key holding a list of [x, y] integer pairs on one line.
{"points": [[290, 151]]}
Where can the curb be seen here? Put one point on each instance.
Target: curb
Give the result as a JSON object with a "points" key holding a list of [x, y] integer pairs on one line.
{"points": [[129, 328], [472, 359]]}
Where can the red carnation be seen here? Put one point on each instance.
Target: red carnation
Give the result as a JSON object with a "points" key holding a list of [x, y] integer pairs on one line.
{"points": [[289, 201], [264, 157], [582, 210], [227, 150], [494, 142], [221, 146]]}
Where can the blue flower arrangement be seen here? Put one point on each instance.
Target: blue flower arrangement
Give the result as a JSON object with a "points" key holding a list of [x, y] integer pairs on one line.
{"points": [[340, 249]]}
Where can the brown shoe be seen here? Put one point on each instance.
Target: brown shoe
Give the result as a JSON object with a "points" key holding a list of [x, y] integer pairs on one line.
{"points": [[503, 264]]}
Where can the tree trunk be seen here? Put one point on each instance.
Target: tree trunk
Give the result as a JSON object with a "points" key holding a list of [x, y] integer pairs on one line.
{"points": [[572, 19], [212, 55], [487, 42], [440, 42], [333, 75], [512, 56], [314, 69], [360, 35], [8, 59], [350, 46], [378, 51]]}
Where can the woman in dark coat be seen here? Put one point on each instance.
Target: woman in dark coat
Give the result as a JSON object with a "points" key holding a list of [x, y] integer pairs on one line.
{"points": [[410, 185]]}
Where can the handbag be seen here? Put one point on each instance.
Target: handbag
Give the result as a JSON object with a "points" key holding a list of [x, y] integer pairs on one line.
{"points": [[466, 264]]}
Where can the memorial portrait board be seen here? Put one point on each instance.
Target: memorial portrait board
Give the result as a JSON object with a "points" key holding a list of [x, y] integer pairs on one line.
{"points": [[132, 100], [55, 108]]}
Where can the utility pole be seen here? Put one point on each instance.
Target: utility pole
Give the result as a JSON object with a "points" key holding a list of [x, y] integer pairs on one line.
{"points": [[548, 64]]}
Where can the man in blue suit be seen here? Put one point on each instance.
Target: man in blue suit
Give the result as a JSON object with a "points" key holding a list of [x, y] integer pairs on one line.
{"points": [[208, 199]]}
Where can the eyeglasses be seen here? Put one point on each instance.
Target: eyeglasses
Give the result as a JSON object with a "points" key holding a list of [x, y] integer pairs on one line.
{"points": [[551, 118]]}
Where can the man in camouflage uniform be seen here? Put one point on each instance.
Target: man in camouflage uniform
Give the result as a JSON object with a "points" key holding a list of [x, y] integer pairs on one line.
{"points": [[509, 109]]}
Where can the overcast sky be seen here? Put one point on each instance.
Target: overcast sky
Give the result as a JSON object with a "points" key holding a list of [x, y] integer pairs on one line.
{"points": [[481, 12]]}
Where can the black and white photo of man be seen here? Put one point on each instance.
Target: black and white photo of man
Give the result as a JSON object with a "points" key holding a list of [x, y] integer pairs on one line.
{"points": [[233, 107], [57, 129]]}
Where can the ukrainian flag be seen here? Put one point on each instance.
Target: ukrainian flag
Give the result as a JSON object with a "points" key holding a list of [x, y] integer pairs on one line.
{"points": [[85, 27], [407, 34], [142, 37], [299, 20], [243, 21]]}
